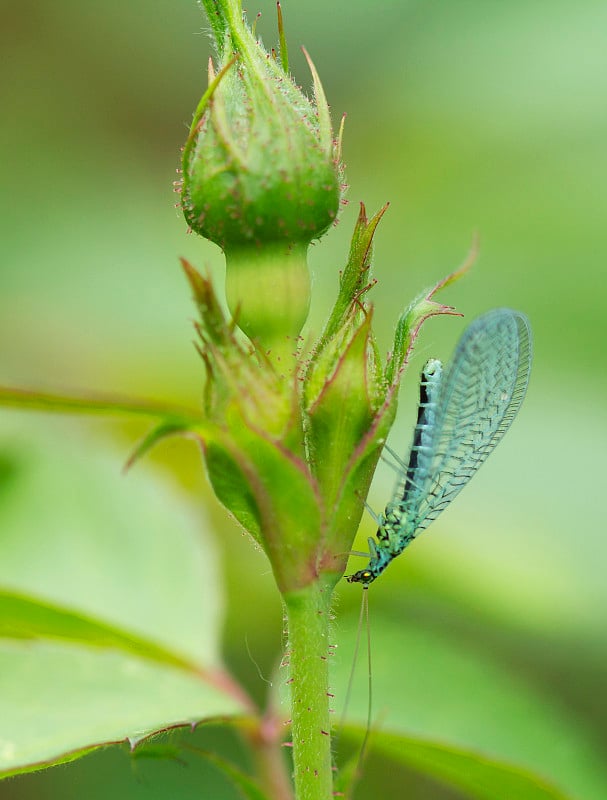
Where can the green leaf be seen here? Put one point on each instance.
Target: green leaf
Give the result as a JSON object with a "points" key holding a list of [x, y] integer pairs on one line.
{"points": [[25, 618], [109, 603], [449, 709], [479, 777], [96, 403], [61, 700], [246, 786]]}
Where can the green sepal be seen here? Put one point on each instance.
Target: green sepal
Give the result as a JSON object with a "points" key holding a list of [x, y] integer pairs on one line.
{"points": [[286, 499], [344, 391], [232, 489], [151, 439], [254, 445], [271, 493], [211, 314], [337, 422], [411, 320], [355, 281], [237, 374], [218, 20], [325, 129]]}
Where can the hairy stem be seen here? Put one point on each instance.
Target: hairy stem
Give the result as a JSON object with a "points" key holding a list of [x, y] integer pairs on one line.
{"points": [[308, 617]]}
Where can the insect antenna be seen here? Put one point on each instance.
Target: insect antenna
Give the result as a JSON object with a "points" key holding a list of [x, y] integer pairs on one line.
{"points": [[363, 747], [342, 719], [363, 619]]}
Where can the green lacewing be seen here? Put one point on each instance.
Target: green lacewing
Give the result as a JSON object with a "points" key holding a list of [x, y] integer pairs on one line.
{"points": [[464, 411]]}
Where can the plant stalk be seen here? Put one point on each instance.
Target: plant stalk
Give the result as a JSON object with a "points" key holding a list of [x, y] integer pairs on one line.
{"points": [[308, 619], [272, 763]]}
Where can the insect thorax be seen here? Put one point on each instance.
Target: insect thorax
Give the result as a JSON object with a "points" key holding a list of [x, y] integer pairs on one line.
{"points": [[394, 532]]}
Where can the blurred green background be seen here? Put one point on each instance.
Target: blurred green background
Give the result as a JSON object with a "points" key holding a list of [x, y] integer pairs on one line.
{"points": [[468, 116]]}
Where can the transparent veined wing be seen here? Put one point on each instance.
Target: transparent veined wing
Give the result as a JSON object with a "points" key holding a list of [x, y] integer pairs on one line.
{"points": [[479, 395]]}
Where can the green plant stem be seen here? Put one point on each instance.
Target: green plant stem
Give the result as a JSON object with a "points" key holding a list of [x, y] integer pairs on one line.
{"points": [[277, 271], [264, 736], [308, 618], [272, 768]]}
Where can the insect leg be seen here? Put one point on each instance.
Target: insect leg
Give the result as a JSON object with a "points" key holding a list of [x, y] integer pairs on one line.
{"points": [[399, 465], [374, 516]]}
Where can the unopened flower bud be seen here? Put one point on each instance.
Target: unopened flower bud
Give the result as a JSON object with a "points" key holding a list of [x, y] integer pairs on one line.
{"points": [[261, 176]]}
